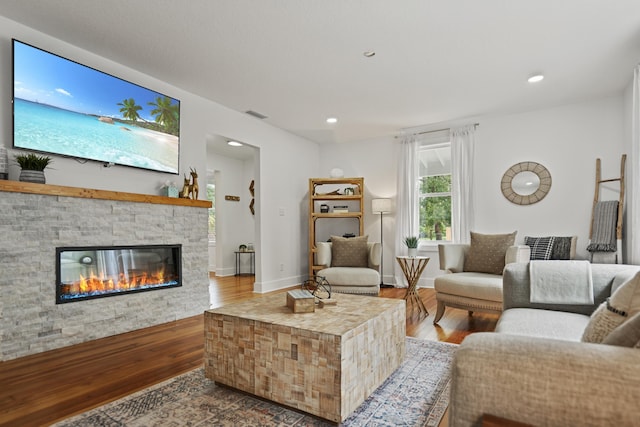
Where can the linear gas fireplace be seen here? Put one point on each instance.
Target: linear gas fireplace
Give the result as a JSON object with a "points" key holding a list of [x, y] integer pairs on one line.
{"points": [[95, 272]]}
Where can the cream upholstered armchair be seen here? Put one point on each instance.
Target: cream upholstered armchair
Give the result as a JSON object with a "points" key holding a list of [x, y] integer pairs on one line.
{"points": [[346, 276], [474, 272]]}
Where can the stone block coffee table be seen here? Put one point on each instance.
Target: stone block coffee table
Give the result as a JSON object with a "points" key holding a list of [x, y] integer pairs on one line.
{"points": [[325, 363]]}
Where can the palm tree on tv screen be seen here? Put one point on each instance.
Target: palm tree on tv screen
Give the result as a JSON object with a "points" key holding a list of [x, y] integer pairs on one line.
{"points": [[129, 109], [166, 114]]}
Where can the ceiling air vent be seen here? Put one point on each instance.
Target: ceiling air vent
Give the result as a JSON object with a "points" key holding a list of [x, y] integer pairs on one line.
{"points": [[256, 114]]}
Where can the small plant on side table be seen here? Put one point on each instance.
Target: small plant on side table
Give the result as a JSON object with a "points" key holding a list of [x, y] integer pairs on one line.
{"points": [[412, 245]]}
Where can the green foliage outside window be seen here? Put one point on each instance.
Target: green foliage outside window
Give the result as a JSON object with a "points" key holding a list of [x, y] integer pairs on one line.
{"points": [[435, 206]]}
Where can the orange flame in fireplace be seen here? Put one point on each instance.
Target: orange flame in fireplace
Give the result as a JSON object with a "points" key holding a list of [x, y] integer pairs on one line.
{"points": [[97, 284]]}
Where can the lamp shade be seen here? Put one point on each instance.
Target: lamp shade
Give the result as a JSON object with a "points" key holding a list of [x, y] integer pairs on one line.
{"points": [[381, 206]]}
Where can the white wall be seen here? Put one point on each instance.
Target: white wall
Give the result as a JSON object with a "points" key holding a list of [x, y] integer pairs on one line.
{"points": [[235, 225], [376, 161], [283, 209], [283, 182], [631, 184], [566, 139]]}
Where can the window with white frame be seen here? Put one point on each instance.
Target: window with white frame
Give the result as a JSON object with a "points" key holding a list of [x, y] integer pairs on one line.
{"points": [[434, 183]]}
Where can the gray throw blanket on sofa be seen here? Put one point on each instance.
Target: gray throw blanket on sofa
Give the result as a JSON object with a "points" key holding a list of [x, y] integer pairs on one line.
{"points": [[603, 236]]}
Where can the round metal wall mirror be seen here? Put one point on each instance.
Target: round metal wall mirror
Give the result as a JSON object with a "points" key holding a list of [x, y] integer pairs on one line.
{"points": [[526, 183]]}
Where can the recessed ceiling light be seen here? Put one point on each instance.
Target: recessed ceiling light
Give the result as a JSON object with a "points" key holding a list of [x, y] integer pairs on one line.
{"points": [[332, 120], [234, 144], [535, 78], [369, 53]]}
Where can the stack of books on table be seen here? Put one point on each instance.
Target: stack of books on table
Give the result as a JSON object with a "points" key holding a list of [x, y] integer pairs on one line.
{"points": [[341, 209]]}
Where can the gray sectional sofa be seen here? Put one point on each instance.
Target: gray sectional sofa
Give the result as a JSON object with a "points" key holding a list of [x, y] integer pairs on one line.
{"points": [[535, 369]]}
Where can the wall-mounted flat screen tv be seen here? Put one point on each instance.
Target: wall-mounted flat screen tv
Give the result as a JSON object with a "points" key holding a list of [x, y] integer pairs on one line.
{"points": [[66, 108]]}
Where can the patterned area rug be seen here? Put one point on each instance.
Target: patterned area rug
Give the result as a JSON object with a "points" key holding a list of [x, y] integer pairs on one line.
{"points": [[417, 394]]}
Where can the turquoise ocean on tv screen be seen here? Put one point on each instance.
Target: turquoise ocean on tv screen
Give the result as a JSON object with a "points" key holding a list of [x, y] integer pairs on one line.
{"points": [[43, 127]]}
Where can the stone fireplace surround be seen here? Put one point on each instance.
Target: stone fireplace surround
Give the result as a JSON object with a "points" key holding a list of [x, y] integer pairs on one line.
{"points": [[37, 218]]}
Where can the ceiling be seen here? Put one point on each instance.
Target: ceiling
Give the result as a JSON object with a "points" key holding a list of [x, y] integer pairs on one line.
{"points": [[220, 145], [301, 61]]}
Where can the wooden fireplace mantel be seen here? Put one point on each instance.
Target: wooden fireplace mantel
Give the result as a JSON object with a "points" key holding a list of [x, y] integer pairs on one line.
{"points": [[88, 193]]}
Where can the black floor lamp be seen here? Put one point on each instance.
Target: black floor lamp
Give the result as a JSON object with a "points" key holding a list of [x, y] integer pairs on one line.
{"points": [[381, 206]]}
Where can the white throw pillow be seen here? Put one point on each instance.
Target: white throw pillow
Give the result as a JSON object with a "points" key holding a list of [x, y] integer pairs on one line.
{"points": [[623, 303]]}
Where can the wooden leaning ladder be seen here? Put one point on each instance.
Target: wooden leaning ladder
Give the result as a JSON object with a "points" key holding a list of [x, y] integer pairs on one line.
{"points": [[596, 199]]}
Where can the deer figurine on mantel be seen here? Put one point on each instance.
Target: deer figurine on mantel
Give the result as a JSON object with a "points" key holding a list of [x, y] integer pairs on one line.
{"points": [[190, 189], [193, 187]]}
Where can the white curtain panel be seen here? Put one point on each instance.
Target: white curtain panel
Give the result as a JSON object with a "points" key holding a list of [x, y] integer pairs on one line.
{"points": [[634, 235], [407, 213], [462, 204]]}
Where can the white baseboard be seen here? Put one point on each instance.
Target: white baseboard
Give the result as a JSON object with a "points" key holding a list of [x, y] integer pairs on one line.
{"points": [[276, 285]]}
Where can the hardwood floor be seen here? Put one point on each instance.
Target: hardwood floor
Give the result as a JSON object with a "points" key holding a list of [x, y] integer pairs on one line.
{"points": [[47, 387]]}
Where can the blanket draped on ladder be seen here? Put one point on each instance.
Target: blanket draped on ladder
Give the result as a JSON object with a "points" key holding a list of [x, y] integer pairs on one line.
{"points": [[605, 217]]}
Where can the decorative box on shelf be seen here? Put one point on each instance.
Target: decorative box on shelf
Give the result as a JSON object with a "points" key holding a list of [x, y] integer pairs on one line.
{"points": [[341, 209], [170, 191]]}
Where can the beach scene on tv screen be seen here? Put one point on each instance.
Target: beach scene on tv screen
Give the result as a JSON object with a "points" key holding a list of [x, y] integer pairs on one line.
{"points": [[70, 109]]}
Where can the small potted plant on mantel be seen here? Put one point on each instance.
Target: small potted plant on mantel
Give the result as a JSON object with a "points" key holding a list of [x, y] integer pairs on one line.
{"points": [[412, 245], [33, 167]]}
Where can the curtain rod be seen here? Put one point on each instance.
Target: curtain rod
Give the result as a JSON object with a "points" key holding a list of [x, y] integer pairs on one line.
{"points": [[475, 125]]}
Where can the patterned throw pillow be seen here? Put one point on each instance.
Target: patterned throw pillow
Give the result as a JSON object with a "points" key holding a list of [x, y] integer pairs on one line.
{"points": [[541, 247], [624, 302], [551, 247], [564, 247], [487, 251], [349, 251]]}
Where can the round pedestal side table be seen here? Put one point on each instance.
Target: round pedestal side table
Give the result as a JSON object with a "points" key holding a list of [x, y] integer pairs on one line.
{"points": [[412, 268]]}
